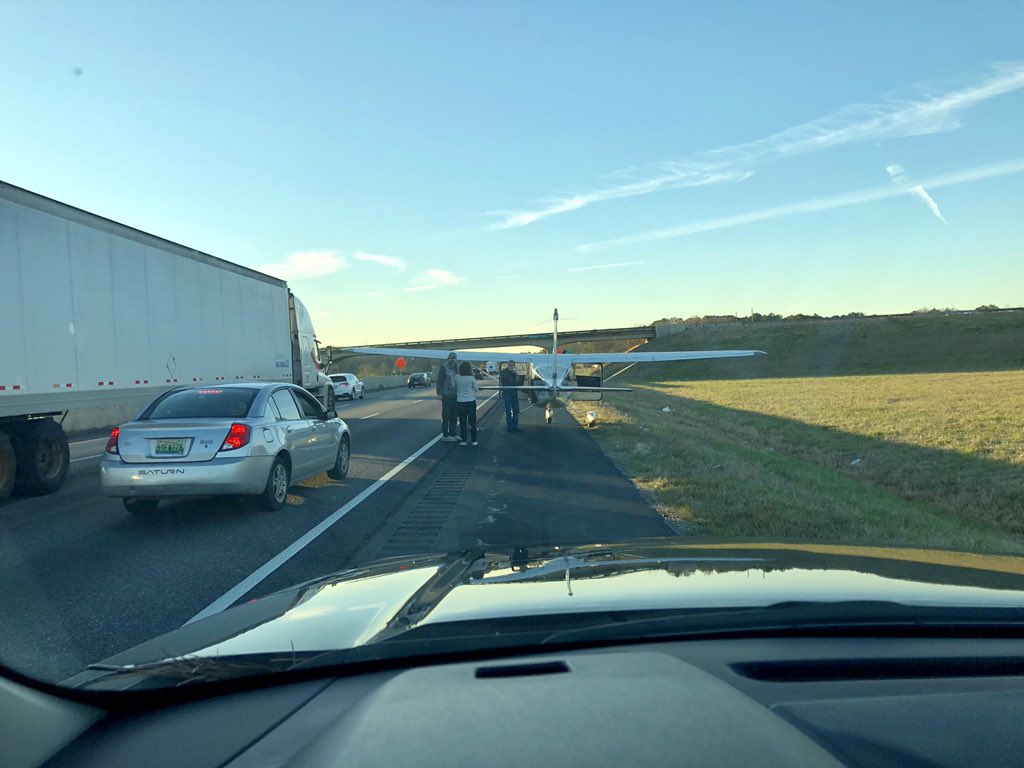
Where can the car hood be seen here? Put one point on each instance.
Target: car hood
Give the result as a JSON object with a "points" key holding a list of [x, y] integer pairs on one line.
{"points": [[366, 605]]}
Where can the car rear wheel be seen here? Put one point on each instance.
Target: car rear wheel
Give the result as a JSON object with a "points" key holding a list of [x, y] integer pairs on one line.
{"points": [[140, 506], [276, 492], [341, 461]]}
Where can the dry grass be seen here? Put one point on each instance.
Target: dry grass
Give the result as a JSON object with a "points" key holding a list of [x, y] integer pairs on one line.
{"points": [[926, 459]]}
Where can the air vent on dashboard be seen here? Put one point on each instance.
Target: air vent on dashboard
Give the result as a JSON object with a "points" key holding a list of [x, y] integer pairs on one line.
{"points": [[522, 670], [821, 670]]}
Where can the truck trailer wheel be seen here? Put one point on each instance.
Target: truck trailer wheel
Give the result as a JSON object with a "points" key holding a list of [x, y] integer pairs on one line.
{"points": [[8, 467], [43, 455]]}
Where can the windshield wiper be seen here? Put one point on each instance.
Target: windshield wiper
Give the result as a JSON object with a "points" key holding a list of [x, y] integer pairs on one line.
{"points": [[199, 669]]}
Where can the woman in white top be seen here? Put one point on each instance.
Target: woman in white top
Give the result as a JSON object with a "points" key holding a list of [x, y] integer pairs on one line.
{"points": [[467, 388]]}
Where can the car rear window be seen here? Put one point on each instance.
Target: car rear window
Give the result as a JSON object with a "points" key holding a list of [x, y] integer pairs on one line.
{"points": [[210, 403], [338, 379]]}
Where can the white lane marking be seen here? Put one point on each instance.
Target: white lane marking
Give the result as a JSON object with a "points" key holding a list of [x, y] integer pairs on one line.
{"points": [[83, 458], [378, 413], [247, 584], [418, 401]]}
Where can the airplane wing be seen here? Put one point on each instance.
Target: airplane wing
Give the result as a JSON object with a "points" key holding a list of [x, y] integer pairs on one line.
{"points": [[574, 357], [570, 388], [442, 354], [654, 357], [523, 387], [560, 388]]}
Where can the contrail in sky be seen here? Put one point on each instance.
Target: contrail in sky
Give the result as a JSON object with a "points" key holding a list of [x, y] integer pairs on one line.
{"points": [[931, 113], [857, 197], [900, 178], [606, 266]]}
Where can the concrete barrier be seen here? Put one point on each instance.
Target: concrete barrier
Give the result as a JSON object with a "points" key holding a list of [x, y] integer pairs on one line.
{"points": [[386, 382]]}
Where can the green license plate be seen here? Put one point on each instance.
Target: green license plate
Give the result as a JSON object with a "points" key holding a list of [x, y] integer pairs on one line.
{"points": [[169, 447]]}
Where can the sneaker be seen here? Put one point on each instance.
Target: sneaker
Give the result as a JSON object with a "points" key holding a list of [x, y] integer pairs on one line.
{"points": [[463, 443], [475, 443]]}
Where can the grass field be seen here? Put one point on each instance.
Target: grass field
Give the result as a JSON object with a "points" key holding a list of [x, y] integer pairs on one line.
{"points": [[913, 458]]}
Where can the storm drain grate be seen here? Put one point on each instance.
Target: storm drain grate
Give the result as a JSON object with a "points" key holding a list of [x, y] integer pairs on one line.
{"points": [[425, 520]]}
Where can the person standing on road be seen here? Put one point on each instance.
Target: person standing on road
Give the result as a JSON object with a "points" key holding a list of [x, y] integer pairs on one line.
{"points": [[510, 397], [467, 389], [447, 393]]}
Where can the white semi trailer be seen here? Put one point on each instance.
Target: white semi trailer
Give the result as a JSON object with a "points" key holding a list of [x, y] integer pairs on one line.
{"points": [[97, 318]]}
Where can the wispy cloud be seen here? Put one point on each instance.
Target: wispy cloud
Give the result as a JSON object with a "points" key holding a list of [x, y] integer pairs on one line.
{"points": [[899, 177], [857, 197], [388, 261], [674, 175], [431, 279], [928, 112], [606, 266], [306, 264]]}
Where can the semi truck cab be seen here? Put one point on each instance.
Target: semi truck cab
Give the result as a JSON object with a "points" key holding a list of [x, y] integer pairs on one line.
{"points": [[308, 369]]}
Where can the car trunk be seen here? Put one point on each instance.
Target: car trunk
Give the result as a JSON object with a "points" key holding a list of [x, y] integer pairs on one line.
{"points": [[171, 440]]}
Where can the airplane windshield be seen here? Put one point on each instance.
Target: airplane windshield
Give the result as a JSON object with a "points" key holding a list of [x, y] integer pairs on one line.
{"points": [[496, 286]]}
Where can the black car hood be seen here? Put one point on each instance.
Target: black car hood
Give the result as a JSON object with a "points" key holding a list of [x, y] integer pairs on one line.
{"points": [[373, 603]]}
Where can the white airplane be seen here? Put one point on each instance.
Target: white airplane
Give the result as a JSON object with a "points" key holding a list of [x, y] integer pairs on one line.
{"points": [[551, 374]]}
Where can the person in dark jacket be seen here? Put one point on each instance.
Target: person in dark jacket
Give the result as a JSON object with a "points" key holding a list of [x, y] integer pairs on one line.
{"points": [[510, 397], [447, 393]]}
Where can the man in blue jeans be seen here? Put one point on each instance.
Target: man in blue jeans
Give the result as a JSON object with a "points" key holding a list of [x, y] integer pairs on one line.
{"points": [[446, 393], [510, 397]]}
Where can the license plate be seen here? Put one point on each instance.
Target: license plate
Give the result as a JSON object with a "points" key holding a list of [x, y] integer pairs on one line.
{"points": [[169, 448]]}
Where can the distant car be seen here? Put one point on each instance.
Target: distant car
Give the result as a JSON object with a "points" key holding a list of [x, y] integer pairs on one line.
{"points": [[256, 438], [348, 385], [419, 380]]}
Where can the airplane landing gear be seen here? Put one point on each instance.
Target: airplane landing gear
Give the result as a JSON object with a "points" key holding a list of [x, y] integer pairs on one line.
{"points": [[548, 415]]}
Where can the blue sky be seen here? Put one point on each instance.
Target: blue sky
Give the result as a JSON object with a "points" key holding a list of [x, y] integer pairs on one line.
{"points": [[445, 169]]}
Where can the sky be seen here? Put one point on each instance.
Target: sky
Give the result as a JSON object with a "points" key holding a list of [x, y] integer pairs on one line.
{"points": [[450, 169]]}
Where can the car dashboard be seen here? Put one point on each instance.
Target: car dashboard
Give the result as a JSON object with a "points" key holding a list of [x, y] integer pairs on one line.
{"points": [[767, 700]]}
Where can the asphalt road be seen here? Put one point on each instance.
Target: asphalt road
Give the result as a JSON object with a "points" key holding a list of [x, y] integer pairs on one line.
{"points": [[84, 579]]}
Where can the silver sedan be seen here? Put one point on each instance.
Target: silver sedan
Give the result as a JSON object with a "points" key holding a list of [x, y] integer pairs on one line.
{"points": [[253, 438]]}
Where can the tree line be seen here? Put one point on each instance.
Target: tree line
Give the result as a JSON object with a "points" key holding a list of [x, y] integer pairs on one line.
{"points": [[773, 317]]}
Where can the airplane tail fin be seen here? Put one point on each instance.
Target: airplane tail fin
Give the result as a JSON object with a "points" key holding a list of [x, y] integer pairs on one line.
{"points": [[554, 348]]}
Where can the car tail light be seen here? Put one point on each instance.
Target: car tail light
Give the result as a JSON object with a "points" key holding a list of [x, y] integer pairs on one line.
{"points": [[238, 436], [112, 441]]}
